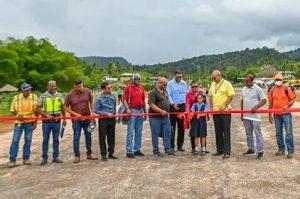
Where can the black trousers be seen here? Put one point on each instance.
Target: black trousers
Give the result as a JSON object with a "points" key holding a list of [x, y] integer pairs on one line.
{"points": [[193, 144], [222, 129], [180, 132], [107, 131]]}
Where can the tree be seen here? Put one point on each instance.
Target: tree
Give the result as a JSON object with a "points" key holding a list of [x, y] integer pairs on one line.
{"points": [[253, 70], [36, 62], [232, 73]]}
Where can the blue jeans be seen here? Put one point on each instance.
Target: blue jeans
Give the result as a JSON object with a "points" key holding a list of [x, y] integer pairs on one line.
{"points": [[77, 127], [47, 128], [14, 147], [250, 127], [134, 128], [286, 121], [158, 125]]}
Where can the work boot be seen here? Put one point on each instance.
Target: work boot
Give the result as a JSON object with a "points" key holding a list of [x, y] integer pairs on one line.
{"points": [[138, 153], [170, 153], [111, 156], [260, 155], [92, 157], [130, 155], [226, 156], [104, 158], [27, 162], [76, 160], [280, 153], [217, 154], [12, 164], [249, 153], [58, 161], [44, 162], [289, 156]]}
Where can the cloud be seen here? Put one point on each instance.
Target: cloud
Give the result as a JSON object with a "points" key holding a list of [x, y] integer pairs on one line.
{"points": [[154, 31]]}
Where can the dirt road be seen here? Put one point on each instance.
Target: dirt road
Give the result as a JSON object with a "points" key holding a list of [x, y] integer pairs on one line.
{"points": [[182, 176]]}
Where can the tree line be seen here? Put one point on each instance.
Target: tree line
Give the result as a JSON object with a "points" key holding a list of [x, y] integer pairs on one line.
{"points": [[37, 61]]}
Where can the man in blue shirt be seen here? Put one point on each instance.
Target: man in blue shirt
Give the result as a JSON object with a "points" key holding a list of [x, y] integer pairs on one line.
{"points": [[105, 105], [177, 90]]}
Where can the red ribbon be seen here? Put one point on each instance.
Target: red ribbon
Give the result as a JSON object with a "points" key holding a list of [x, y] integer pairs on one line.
{"points": [[179, 114]]}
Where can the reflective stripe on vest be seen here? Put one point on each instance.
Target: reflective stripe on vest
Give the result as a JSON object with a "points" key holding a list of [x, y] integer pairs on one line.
{"points": [[26, 108], [52, 105]]}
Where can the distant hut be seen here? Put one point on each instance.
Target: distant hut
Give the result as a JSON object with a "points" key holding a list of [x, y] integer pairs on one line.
{"points": [[125, 78], [8, 89], [153, 80]]}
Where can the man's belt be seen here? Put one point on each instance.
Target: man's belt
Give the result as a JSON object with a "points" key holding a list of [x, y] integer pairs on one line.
{"points": [[53, 119]]}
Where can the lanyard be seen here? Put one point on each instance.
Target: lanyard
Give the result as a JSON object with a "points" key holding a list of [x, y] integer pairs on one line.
{"points": [[218, 87]]}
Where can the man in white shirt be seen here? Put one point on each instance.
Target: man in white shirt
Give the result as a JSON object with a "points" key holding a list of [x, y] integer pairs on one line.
{"points": [[253, 98]]}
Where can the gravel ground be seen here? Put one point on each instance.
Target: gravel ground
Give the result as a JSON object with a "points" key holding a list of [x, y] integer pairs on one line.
{"points": [[182, 176]]}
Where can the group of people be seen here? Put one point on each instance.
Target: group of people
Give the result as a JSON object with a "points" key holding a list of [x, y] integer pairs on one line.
{"points": [[166, 101]]}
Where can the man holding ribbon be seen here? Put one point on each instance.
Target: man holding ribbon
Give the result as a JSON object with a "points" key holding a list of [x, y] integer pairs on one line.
{"points": [[221, 94], [177, 89], [134, 101], [23, 106], [282, 97], [159, 103], [50, 106], [105, 105], [79, 103], [253, 98]]}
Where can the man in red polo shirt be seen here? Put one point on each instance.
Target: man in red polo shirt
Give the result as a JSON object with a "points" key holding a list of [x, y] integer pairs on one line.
{"points": [[190, 100], [134, 101], [79, 103]]}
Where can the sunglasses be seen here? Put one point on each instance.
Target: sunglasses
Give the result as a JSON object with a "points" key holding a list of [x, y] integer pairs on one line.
{"points": [[194, 86], [136, 79], [179, 77], [109, 87], [278, 80]]}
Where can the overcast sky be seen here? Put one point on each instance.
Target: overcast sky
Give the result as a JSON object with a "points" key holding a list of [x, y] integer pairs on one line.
{"points": [[152, 31]]}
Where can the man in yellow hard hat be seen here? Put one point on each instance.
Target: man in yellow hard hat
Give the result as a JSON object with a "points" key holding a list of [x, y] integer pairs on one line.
{"points": [[23, 106]]}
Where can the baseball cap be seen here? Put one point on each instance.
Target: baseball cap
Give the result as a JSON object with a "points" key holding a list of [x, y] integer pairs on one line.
{"points": [[136, 76], [25, 86]]}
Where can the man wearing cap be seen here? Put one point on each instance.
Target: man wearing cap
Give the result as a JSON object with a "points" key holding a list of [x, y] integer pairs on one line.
{"points": [[177, 90], [50, 106], [134, 101], [253, 98], [282, 97], [105, 105], [190, 100], [23, 106], [220, 96], [79, 103]]}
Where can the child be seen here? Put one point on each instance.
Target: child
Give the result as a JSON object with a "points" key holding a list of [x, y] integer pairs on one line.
{"points": [[199, 124]]}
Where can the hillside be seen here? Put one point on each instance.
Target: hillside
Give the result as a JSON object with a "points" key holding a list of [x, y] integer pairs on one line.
{"points": [[104, 61], [206, 63], [294, 54]]}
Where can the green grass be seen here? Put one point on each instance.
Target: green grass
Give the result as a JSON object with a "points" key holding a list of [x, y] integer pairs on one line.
{"points": [[5, 102]]}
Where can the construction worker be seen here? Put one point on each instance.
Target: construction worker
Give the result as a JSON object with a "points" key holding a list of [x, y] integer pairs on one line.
{"points": [[50, 105], [23, 106]]}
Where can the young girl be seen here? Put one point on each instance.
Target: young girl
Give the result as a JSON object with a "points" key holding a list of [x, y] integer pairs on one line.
{"points": [[199, 124]]}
